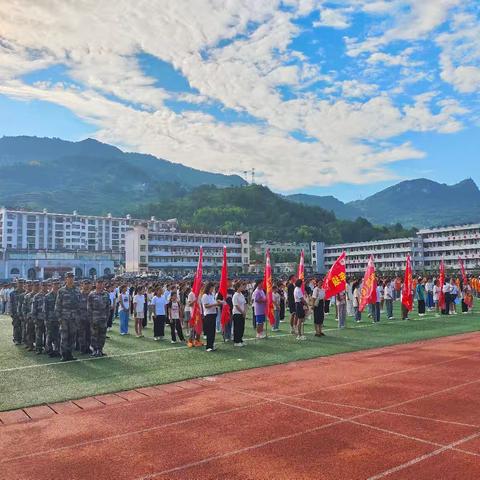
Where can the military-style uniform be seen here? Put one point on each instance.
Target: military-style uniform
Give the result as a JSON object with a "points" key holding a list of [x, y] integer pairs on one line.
{"points": [[29, 327], [66, 310], [38, 317], [52, 344], [16, 299], [83, 332], [98, 309]]}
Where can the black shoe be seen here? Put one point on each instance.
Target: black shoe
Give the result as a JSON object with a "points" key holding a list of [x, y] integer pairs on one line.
{"points": [[39, 352], [101, 354], [94, 353], [72, 358], [64, 358], [322, 335], [106, 336]]}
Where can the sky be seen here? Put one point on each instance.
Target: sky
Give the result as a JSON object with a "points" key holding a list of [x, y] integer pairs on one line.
{"points": [[341, 97]]}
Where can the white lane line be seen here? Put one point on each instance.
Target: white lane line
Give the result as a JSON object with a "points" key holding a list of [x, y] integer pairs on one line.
{"points": [[426, 456]]}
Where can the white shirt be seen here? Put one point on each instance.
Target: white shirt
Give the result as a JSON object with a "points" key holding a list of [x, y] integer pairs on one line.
{"points": [[190, 300], [436, 293], [124, 301], [139, 301], [239, 303], [112, 298], [209, 300], [318, 293], [159, 304], [298, 294], [388, 292]]}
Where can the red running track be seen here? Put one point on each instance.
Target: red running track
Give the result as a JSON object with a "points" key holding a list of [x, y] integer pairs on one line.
{"points": [[403, 412]]}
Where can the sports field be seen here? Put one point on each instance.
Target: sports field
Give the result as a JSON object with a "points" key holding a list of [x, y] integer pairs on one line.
{"points": [[27, 379]]}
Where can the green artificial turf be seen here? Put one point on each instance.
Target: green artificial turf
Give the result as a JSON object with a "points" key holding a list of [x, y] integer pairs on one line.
{"points": [[136, 362]]}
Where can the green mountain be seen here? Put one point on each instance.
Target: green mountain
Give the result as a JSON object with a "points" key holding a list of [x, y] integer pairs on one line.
{"points": [[55, 174], [423, 203], [327, 202]]}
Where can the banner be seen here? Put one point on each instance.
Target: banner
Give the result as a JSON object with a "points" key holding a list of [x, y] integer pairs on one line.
{"points": [[223, 290], [268, 287], [407, 292], [336, 279], [301, 270], [441, 281], [196, 320], [369, 286], [462, 269]]}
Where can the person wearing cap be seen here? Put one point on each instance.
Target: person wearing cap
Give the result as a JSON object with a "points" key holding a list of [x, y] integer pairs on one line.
{"points": [[29, 330], [52, 342], [98, 309], [66, 310], [83, 330], [38, 317], [16, 300]]}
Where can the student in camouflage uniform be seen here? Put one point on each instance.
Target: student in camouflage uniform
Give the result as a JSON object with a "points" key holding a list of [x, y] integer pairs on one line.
{"points": [[16, 300], [66, 310], [52, 344], [83, 332], [38, 316], [29, 331], [98, 308]]}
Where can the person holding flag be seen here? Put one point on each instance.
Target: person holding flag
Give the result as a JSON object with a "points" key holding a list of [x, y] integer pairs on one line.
{"points": [[223, 293], [193, 300], [259, 300], [318, 301], [368, 294], [407, 290], [300, 305]]}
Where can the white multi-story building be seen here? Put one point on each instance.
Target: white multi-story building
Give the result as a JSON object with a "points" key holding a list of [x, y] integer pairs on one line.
{"points": [[176, 253], [280, 247], [26, 230], [449, 243]]}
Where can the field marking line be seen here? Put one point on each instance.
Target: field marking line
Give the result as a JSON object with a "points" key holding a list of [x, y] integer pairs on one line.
{"points": [[426, 456], [182, 347]]}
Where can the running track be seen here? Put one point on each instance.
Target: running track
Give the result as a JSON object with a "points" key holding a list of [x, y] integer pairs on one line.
{"points": [[403, 412]]}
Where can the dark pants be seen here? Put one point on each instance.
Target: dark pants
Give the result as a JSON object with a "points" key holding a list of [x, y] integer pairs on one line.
{"points": [[327, 306], [404, 312], [446, 310], [159, 326], [238, 328], [110, 319], [209, 328], [176, 325], [319, 313], [376, 312], [421, 306], [145, 315]]}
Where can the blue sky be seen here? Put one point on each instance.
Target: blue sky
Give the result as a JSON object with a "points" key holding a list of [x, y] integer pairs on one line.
{"points": [[326, 97]]}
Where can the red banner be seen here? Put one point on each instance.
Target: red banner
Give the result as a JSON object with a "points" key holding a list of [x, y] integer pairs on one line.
{"points": [[301, 270], [196, 320], [407, 292], [369, 286], [336, 279], [462, 269], [441, 281], [268, 287], [223, 290]]}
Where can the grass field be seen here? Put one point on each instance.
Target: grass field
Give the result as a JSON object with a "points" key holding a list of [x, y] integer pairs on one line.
{"points": [[28, 379]]}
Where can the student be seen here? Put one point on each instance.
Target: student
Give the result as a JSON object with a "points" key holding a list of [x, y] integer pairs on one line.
{"points": [[239, 312], [123, 309], [300, 305], [276, 308], [209, 305], [421, 295], [175, 313], [291, 303], [111, 296], [388, 296], [436, 297], [429, 293], [139, 310], [453, 297], [341, 302], [318, 298], [356, 301], [446, 294], [259, 305], [159, 314], [194, 337]]}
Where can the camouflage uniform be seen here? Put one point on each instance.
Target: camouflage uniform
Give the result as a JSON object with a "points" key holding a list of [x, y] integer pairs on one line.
{"points": [[52, 345], [98, 308], [66, 310], [16, 300], [83, 333], [38, 316], [29, 327]]}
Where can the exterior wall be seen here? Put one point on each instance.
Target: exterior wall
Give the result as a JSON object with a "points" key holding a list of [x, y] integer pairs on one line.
{"points": [[277, 247], [136, 250], [317, 257]]}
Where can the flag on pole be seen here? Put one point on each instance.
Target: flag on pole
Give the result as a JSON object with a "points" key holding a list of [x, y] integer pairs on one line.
{"points": [[441, 281], [336, 279], [196, 320], [369, 286], [407, 292], [301, 270], [462, 269], [268, 287], [223, 290]]}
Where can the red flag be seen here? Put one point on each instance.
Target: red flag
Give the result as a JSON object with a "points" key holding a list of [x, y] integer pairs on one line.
{"points": [[196, 320], [268, 287], [336, 279], [441, 281], [462, 269], [301, 270], [407, 292], [369, 286], [223, 290]]}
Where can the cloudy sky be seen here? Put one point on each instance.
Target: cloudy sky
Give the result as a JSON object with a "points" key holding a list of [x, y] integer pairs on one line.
{"points": [[341, 97]]}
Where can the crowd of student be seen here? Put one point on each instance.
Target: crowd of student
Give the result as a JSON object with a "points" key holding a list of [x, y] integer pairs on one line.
{"points": [[172, 304]]}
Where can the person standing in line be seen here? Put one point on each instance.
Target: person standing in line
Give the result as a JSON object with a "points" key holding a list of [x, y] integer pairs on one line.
{"points": [[446, 294], [239, 311], [259, 306], [175, 315], [159, 304], [377, 305], [52, 325], [341, 302], [291, 303], [111, 296], [210, 306], [436, 297], [29, 327], [318, 299], [84, 329], [66, 310], [98, 310], [388, 296], [300, 305], [16, 299], [139, 311], [38, 316], [429, 294], [276, 308], [281, 292], [420, 293], [194, 337], [123, 309], [356, 301], [453, 297], [349, 294], [187, 311]]}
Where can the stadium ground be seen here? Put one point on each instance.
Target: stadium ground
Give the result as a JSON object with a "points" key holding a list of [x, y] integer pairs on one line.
{"points": [[27, 379]]}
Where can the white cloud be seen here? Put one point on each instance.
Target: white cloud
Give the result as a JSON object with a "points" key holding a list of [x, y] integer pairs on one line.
{"points": [[335, 18]]}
